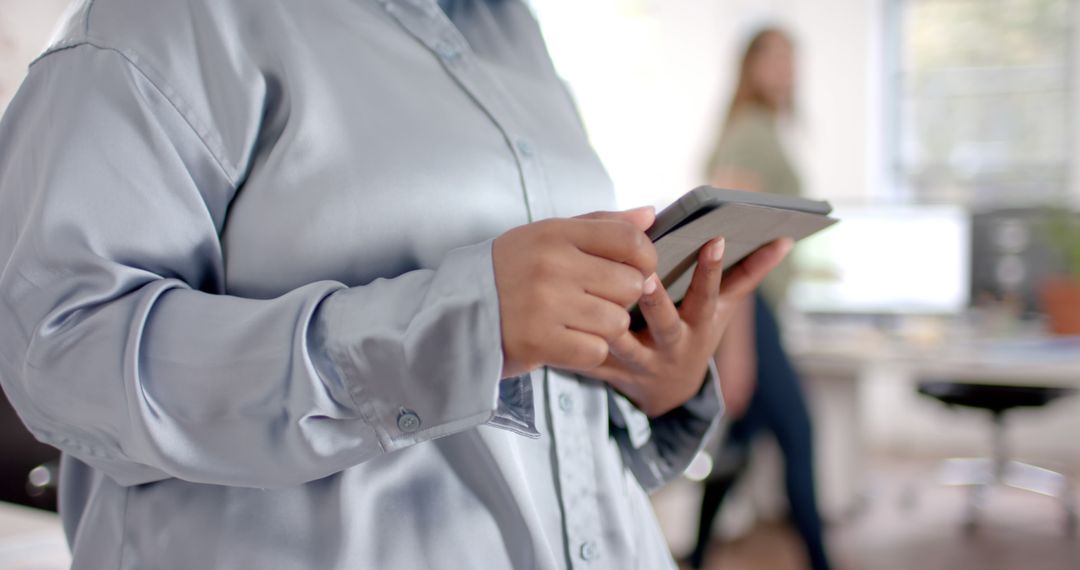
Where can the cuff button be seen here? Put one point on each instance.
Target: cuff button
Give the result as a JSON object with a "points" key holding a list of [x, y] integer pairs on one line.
{"points": [[408, 421]]}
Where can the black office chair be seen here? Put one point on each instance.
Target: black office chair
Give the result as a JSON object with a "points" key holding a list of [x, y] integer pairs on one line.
{"points": [[981, 474]]}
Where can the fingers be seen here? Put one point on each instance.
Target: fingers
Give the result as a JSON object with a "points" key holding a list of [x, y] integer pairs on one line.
{"points": [[629, 351], [665, 324], [597, 317], [748, 274], [615, 240], [642, 218], [576, 350], [703, 295], [612, 371], [612, 281]]}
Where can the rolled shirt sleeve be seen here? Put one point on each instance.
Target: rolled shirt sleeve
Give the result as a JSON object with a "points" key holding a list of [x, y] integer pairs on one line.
{"points": [[120, 345]]}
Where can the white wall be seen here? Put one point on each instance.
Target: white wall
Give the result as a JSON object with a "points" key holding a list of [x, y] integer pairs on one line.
{"points": [[25, 28], [653, 77]]}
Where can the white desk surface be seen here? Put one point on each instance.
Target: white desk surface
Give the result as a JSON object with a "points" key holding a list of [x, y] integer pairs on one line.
{"points": [[1035, 361], [31, 539]]}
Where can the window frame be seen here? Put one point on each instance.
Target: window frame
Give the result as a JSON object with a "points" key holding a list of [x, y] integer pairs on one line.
{"points": [[899, 186]]}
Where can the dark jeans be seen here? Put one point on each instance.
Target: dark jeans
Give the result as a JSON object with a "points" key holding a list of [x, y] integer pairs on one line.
{"points": [[778, 405]]}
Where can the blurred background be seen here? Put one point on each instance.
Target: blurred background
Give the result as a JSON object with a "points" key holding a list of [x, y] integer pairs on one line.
{"points": [[939, 320]]}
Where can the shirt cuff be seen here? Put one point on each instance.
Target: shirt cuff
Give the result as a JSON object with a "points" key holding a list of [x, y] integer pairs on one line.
{"points": [[420, 355], [673, 439], [516, 411]]}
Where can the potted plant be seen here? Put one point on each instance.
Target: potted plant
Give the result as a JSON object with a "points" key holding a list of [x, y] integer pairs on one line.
{"points": [[1061, 293]]}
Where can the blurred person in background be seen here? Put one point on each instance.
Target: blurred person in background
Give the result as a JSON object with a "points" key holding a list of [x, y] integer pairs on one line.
{"points": [[760, 386]]}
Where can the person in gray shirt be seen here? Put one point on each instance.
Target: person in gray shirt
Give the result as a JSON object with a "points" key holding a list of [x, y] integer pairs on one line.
{"points": [[315, 285]]}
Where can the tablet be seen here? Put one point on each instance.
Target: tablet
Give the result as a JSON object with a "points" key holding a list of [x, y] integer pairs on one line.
{"points": [[747, 220]]}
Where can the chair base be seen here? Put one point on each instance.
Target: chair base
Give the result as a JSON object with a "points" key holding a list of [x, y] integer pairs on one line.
{"points": [[981, 474]]}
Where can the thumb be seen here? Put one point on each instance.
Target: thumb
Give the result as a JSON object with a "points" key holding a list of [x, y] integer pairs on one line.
{"points": [[642, 217]]}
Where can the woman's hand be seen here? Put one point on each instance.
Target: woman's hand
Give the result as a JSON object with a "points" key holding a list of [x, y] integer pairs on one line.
{"points": [[565, 285], [662, 367]]}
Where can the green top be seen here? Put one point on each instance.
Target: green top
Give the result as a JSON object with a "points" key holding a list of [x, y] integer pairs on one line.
{"points": [[750, 143]]}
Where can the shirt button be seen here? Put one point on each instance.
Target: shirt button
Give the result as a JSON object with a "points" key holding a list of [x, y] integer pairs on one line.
{"points": [[446, 50], [408, 421], [524, 148], [566, 403], [589, 551]]}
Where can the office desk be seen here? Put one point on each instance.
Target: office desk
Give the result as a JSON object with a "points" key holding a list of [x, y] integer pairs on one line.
{"points": [[837, 364], [1035, 361], [31, 539]]}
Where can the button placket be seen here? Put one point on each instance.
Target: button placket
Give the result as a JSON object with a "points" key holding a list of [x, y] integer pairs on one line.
{"points": [[573, 462], [574, 469], [428, 24]]}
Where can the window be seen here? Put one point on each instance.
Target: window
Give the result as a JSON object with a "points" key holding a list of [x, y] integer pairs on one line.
{"points": [[983, 99]]}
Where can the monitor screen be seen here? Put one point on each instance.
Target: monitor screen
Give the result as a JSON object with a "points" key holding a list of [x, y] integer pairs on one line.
{"points": [[887, 260]]}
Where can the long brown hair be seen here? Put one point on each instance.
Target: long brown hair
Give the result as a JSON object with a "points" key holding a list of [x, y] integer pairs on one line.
{"points": [[747, 92]]}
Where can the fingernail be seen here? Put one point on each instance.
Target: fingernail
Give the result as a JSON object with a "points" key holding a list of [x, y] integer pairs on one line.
{"points": [[717, 251], [650, 285], [786, 244]]}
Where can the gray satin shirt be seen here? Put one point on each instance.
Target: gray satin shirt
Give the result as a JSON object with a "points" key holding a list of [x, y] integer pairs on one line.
{"points": [[247, 289]]}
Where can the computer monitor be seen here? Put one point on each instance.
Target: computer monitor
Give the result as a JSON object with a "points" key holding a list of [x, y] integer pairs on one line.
{"points": [[886, 260]]}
